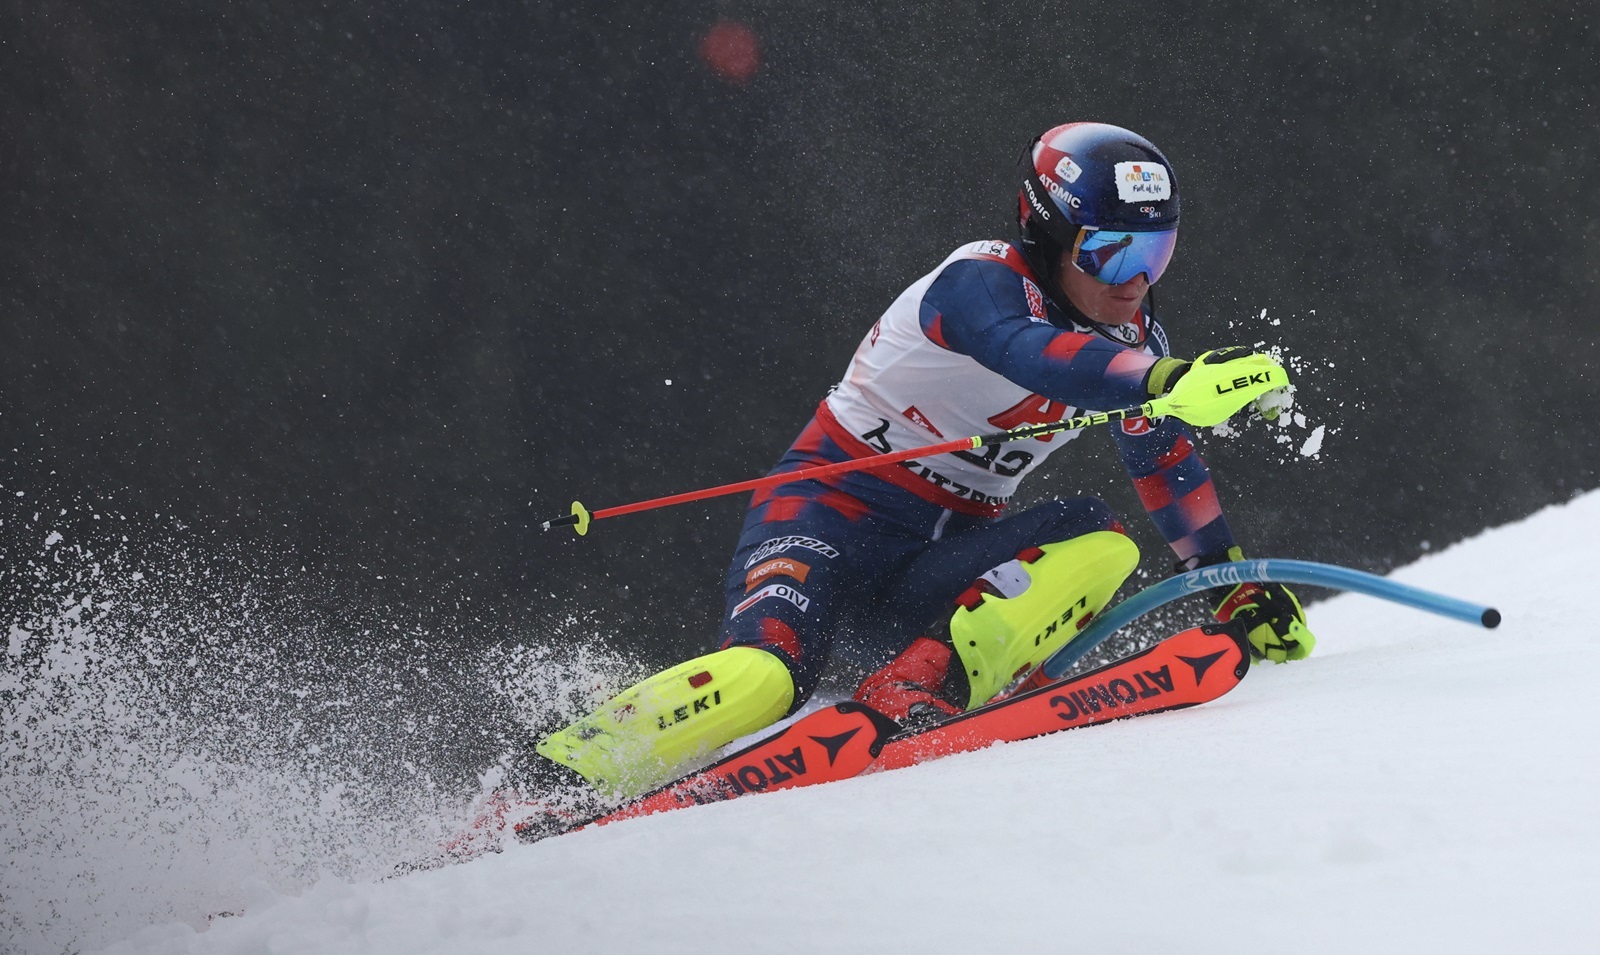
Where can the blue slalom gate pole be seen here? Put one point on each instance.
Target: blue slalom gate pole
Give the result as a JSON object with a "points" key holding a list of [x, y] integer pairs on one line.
{"points": [[1265, 571]]}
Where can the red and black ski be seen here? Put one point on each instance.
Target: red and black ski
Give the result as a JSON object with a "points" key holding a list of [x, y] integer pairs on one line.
{"points": [[1186, 669], [833, 743], [850, 738]]}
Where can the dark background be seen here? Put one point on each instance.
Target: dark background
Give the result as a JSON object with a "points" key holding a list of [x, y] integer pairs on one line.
{"points": [[370, 289]]}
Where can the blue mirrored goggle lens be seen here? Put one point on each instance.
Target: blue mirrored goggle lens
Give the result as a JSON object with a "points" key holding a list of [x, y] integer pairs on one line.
{"points": [[1116, 257]]}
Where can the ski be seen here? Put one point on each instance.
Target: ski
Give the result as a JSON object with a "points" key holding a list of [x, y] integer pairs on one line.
{"points": [[1186, 669], [850, 739], [833, 743]]}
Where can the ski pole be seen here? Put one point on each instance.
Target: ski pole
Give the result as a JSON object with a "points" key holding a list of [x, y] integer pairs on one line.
{"points": [[1274, 571], [581, 516], [1207, 394]]}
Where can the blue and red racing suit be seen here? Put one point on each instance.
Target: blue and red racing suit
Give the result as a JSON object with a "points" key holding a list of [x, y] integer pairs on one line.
{"points": [[879, 556]]}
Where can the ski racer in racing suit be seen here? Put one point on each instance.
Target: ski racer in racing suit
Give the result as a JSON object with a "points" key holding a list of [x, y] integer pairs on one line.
{"points": [[1000, 334]]}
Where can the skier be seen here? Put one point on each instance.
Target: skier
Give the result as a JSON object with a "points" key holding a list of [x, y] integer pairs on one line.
{"points": [[917, 564]]}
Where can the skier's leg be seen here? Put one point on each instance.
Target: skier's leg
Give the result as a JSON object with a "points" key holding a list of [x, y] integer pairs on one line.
{"points": [[783, 587], [911, 688], [643, 735], [1023, 587], [1018, 615]]}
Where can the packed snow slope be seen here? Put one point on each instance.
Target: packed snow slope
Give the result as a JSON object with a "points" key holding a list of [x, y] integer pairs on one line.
{"points": [[1418, 785]]}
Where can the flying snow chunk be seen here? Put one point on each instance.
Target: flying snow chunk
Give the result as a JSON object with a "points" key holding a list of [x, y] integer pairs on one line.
{"points": [[1313, 445]]}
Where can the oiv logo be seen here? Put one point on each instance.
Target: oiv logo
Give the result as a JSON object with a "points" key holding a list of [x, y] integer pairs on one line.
{"points": [[781, 591]]}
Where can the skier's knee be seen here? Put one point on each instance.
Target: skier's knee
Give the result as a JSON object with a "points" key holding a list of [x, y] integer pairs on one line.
{"points": [[1017, 615], [1075, 516], [650, 732]]}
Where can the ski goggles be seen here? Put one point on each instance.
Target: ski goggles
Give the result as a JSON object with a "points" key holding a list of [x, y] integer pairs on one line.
{"points": [[1115, 257]]}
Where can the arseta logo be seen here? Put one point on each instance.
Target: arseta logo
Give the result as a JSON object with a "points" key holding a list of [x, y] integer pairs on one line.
{"points": [[777, 566]]}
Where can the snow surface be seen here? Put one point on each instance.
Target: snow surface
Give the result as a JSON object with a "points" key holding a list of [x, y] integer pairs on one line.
{"points": [[1418, 785]]}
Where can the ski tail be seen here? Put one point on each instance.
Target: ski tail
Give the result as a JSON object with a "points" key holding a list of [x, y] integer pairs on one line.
{"points": [[834, 743], [1188, 668]]}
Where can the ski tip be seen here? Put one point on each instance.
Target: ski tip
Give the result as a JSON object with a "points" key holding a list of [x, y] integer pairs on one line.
{"points": [[1491, 617]]}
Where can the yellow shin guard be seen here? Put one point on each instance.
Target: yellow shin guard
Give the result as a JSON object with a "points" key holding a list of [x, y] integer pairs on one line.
{"points": [[649, 733], [1049, 602]]}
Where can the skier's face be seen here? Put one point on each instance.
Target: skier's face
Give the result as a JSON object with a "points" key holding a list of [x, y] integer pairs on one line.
{"points": [[1107, 304]]}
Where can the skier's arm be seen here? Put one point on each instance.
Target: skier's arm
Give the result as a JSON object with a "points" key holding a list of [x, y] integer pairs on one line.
{"points": [[1177, 491], [980, 309], [1175, 487]]}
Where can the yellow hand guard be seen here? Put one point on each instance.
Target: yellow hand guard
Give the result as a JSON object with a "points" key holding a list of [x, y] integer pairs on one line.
{"points": [[1219, 384], [1273, 620]]}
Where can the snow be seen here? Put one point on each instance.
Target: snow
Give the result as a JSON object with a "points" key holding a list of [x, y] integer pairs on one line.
{"points": [[1418, 785]]}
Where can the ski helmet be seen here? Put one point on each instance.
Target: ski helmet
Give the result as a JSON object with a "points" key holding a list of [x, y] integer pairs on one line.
{"points": [[1105, 194]]}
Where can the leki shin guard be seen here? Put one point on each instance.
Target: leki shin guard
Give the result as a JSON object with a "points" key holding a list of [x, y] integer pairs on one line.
{"points": [[1023, 611], [651, 732]]}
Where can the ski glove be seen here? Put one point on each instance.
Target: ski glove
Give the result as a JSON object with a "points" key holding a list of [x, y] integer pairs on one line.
{"points": [[1272, 618], [1215, 386], [1164, 374]]}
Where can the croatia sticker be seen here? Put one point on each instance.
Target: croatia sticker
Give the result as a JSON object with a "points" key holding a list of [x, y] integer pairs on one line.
{"points": [[1143, 182], [1067, 170], [1035, 304]]}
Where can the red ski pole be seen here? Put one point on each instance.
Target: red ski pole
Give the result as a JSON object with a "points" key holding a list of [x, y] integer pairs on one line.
{"points": [[581, 517], [1216, 386]]}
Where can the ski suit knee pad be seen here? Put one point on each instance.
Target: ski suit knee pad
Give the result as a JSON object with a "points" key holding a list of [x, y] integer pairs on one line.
{"points": [[1024, 611], [647, 734]]}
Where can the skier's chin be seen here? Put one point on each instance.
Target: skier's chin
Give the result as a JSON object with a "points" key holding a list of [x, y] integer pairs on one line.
{"points": [[1106, 304], [1123, 310], [1115, 309]]}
